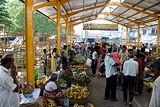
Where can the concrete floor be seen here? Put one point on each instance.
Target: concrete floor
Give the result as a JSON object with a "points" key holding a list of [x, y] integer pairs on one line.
{"points": [[97, 87]]}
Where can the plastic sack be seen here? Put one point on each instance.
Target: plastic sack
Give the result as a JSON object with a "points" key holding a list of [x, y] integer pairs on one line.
{"points": [[89, 62]]}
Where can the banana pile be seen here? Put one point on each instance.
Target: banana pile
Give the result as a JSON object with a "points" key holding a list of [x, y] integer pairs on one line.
{"points": [[88, 105], [148, 84], [49, 103], [78, 68], [77, 92], [41, 80]]}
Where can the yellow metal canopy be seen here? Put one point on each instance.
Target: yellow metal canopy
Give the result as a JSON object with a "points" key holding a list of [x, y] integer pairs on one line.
{"points": [[139, 11], [129, 12], [73, 9]]}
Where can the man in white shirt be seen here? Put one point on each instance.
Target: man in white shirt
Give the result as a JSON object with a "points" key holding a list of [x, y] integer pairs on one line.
{"points": [[8, 88], [94, 61], [130, 70], [111, 77], [155, 98]]}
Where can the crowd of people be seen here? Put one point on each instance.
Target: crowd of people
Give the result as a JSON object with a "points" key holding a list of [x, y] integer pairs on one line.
{"points": [[122, 66], [119, 65]]}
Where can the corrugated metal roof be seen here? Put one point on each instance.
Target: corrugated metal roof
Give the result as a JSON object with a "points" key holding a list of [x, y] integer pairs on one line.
{"points": [[122, 14], [151, 6], [69, 7]]}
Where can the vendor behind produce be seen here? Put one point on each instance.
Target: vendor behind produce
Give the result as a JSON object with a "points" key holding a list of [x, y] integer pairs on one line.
{"points": [[51, 90], [67, 74], [8, 83]]}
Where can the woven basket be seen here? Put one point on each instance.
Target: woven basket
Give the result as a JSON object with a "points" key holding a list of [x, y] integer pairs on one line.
{"points": [[78, 101], [45, 102]]}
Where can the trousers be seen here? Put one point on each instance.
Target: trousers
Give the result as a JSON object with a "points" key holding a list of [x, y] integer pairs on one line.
{"points": [[128, 85], [110, 90]]}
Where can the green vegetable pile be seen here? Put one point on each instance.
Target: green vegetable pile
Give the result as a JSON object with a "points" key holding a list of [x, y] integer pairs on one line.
{"points": [[82, 79], [61, 81]]}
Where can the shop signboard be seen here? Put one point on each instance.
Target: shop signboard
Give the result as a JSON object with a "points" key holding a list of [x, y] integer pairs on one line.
{"points": [[107, 27]]}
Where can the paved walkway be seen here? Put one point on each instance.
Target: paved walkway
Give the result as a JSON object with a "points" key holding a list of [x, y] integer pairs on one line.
{"points": [[97, 87]]}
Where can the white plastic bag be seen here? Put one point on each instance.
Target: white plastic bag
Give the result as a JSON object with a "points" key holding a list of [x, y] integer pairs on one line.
{"points": [[89, 62]]}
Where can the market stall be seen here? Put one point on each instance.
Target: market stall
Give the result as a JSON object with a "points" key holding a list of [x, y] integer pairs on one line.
{"points": [[73, 82], [152, 72]]}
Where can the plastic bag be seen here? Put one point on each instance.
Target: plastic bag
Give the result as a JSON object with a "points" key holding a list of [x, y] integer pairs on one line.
{"points": [[89, 62]]}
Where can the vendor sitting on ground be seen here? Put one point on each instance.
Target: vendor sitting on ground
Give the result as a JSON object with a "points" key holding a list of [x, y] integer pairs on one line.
{"points": [[51, 90], [67, 74]]}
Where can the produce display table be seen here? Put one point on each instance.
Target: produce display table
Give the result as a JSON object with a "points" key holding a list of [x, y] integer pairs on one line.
{"points": [[30, 100]]}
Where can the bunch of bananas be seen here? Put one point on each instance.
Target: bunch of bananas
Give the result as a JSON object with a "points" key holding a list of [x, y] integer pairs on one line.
{"points": [[88, 105], [49, 103], [77, 92], [41, 80], [148, 84]]}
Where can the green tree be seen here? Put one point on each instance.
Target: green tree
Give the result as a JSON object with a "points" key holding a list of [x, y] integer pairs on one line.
{"points": [[4, 15], [41, 24], [15, 9]]}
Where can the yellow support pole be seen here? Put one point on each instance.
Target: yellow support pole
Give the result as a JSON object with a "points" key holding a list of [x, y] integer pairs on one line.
{"points": [[127, 36], [67, 34], [72, 35], [58, 28], [158, 37], [23, 39], [29, 41], [139, 36], [5, 38]]}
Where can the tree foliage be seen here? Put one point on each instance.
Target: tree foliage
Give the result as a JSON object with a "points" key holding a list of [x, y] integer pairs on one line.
{"points": [[4, 15], [16, 11], [41, 24]]}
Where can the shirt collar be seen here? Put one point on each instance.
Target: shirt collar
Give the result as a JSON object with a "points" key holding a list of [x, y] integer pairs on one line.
{"points": [[131, 59], [4, 69]]}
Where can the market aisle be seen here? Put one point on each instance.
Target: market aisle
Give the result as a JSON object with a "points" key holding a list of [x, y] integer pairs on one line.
{"points": [[97, 87]]}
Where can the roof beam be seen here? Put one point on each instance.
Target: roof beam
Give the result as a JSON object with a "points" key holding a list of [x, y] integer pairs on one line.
{"points": [[150, 20], [51, 3], [81, 18], [109, 13], [108, 4], [129, 26], [137, 23], [79, 11], [83, 22], [132, 8]]}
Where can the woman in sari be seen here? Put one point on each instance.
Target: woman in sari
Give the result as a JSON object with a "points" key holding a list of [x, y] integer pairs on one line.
{"points": [[53, 60], [51, 90]]}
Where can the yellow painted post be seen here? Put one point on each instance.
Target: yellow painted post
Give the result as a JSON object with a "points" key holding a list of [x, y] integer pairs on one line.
{"points": [[71, 36], [127, 36], [58, 28], [7, 44], [139, 36], [4, 38], [23, 38], [158, 37], [67, 34], [29, 41]]}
